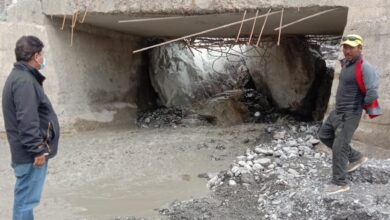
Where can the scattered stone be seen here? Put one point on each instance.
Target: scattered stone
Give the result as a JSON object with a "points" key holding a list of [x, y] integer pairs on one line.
{"points": [[269, 129], [263, 161], [220, 147], [203, 175], [171, 117], [241, 163], [278, 153], [271, 166], [293, 172], [314, 141], [232, 183], [235, 169], [264, 152], [257, 167], [250, 157], [247, 140]]}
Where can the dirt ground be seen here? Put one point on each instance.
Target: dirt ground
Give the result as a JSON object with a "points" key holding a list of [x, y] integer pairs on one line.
{"points": [[121, 172], [126, 173]]}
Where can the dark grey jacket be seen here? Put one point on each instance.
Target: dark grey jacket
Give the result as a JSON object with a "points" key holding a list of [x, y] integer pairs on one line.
{"points": [[31, 124], [349, 97]]}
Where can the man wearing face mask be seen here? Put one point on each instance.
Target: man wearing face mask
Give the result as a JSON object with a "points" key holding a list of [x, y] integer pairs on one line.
{"points": [[31, 124], [357, 92]]}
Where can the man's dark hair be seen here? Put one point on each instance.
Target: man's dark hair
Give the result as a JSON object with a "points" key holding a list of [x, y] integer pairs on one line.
{"points": [[26, 47]]}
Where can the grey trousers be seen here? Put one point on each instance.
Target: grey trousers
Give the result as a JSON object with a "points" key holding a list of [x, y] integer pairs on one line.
{"points": [[336, 133]]}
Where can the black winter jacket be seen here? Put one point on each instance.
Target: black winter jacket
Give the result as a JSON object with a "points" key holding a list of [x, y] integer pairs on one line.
{"points": [[31, 124]]}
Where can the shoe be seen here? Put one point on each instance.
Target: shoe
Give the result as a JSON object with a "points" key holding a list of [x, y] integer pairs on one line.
{"points": [[355, 165], [333, 189]]}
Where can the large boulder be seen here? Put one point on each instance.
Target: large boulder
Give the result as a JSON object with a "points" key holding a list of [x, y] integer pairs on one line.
{"points": [[182, 77], [291, 75], [226, 108]]}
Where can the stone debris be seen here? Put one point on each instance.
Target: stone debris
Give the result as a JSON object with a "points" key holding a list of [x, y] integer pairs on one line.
{"points": [[259, 107], [288, 176], [289, 142], [171, 117]]}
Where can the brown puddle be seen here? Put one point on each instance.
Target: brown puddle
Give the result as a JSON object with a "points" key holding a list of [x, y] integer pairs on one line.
{"points": [[108, 199]]}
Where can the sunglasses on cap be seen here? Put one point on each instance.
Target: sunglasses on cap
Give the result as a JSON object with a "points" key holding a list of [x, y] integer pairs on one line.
{"points": [[351, 38]]}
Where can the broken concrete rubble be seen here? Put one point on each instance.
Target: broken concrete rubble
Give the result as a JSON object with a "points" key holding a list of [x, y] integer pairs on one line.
{"points": [[171, 117], [288, 184]]}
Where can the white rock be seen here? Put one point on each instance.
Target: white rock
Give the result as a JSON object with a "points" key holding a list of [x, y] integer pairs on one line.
{"points": [[263, 161], [232, 183], [248, 167], [264, 151], [269, 129], [293, 172], [250, 157], [257, 114], [212, 182], [314, 141], [257, 167], [241, 163], [292, 143], [278, 153], [271, 166], [235, 169]]}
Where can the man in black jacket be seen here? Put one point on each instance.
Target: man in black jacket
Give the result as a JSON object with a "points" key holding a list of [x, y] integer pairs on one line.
{"points": [[31, 124]]}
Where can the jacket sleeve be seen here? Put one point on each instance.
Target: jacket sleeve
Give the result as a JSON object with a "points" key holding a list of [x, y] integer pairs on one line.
{"points": [[26, 100], [371, 82]]}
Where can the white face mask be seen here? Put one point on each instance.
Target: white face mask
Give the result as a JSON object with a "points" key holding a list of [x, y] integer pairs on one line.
{"points": [[43, 64]]}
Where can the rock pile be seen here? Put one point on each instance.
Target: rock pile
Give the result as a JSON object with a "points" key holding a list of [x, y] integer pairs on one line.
{"points": [[269, 159], [171, 117], [259, 106], [287, 177], [163, 117]]}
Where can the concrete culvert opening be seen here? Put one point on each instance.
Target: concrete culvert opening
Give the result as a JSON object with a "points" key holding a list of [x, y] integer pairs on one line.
{"points": [[226, 82], [229, 68], [219, 79]]}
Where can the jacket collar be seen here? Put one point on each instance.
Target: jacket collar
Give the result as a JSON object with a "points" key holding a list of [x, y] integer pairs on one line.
{"points": [[21, 65]]}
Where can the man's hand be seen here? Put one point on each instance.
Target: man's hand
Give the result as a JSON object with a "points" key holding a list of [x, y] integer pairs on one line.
{"points": [[40, 160]]}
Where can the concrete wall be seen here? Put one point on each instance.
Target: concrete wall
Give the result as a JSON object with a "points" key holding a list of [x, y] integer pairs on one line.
{"points": [[93, 83], [368, 18]]}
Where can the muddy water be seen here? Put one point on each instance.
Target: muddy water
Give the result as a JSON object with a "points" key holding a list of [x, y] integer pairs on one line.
{"points": [[109, 198]]}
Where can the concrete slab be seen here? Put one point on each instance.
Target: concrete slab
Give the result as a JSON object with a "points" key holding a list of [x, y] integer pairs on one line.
{"points": [[330, 23]]}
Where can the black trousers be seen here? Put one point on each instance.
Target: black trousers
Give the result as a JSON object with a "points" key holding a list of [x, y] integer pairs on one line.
{"points": [[336, 133]]}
